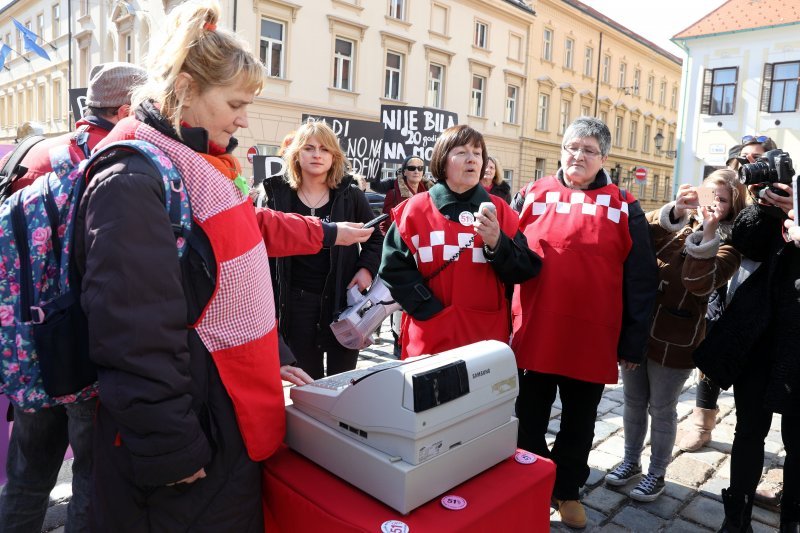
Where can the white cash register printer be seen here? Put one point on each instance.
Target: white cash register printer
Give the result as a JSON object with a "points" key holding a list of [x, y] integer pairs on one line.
{"points": [[407, 431]]}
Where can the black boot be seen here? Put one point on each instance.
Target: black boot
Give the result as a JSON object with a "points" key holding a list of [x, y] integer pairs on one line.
{"points": [[790, 516], [738, 509]]}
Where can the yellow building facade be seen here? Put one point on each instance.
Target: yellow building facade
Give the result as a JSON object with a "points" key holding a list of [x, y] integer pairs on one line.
{"points": [[517, 71]]}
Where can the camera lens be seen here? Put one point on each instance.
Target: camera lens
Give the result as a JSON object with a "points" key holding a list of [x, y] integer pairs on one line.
{"points": [[758, 172]]}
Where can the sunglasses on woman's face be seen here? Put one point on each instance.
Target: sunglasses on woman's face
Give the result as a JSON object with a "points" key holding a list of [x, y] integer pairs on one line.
{"points": [[412, 169], [751, 138]]}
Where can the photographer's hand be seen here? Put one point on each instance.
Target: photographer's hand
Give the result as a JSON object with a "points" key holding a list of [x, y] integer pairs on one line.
{"points": [[685, 200], [784, 202], [711, 219], [792, 228]]}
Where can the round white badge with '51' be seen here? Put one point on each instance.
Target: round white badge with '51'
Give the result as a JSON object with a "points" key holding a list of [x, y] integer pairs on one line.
{"points": [[394, 526], [453, 502], [466, 218]]}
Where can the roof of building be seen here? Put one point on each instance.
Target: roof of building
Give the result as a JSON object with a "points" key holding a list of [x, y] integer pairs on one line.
{"points": [[522, 4], [738, 15], [622, 29]]}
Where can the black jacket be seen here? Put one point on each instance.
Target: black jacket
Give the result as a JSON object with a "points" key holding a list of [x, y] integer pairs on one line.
{"points": [[349, 204], [501, 190], [164, 412], [761, 324]]}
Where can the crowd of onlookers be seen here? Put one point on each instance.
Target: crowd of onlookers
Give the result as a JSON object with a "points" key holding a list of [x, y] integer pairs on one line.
{"points": [[571, 272]]}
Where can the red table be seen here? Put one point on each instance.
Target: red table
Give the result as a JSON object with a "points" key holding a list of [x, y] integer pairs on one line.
{"points": [[300, 496]]}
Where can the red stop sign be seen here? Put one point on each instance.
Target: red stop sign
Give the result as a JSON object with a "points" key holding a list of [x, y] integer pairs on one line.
{"points": [[252, 151], [641, 173]]}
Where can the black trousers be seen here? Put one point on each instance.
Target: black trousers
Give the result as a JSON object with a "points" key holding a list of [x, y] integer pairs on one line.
{"points": [[570, 452], [752, 426], [707, 394], [310, 340]]}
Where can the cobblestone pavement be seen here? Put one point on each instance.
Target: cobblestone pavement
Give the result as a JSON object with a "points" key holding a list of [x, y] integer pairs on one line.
{"points": [[691, 502]]}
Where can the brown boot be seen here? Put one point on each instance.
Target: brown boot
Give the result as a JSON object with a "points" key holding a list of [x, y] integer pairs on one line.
{"points": [[698, 434], [572, 513]]}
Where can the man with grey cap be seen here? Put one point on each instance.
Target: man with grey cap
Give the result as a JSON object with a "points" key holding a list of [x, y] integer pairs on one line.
{"points": [[107, 100], [39, 440]]}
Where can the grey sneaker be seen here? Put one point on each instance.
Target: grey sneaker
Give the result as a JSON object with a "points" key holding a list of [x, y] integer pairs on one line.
{"points": [[648, 489], [623, 473]]}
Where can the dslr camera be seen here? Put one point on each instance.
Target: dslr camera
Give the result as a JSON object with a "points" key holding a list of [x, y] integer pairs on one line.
{"points": [[774, 166]]}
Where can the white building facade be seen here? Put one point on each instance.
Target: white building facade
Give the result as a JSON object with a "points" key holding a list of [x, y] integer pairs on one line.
{"points": [[736, 83]]}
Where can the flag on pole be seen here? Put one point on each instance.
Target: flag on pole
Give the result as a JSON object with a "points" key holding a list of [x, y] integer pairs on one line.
{"points": [[29, 38], [4, 51]]}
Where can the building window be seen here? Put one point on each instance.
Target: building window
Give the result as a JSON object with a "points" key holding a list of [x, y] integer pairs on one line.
{"points": [[650, 86], [569, 47], [585, 111], [476, 104], [623, 75], [654, 190], [343, 64], [637, 81], [397, 9], [126, 49], [272, 39], [719, 91], [618, 131], [439, 19], [662, 93], [667, 190], [547, 45], [538, 171], [56, 22], [563, 117], [632, 135], [3, 112], [606, 69], [673, 103], [58, 104], [40, 25], [542, 111], [41, 104], [435, 85], [481, 34], [588, 60], [512, 93], [514, 47], [393, 78], [508, 176], [646, 139], [780, 86], [604, 117]]}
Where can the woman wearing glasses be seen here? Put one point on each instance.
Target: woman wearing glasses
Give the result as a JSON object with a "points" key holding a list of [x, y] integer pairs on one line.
{"points": [[587, 311], [410, 181], [492, 180]]}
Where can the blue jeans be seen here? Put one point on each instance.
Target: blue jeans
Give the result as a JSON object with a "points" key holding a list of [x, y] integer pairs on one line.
{"points": [[35, 454], [655, 389]]}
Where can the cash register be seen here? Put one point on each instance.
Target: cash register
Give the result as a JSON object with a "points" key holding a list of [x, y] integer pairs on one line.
{"points": [[407, 431]]}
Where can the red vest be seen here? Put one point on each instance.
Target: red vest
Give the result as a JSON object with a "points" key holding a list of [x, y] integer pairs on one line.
{"points": [[475, 307], [568, 319], [238, 324]]}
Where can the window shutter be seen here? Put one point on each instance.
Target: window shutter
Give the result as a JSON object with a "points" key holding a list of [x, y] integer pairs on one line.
{"points": [[705, 106], [766, 87]]}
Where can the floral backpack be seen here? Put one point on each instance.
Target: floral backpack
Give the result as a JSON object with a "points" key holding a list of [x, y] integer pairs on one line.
{"points": [[44, 353]]}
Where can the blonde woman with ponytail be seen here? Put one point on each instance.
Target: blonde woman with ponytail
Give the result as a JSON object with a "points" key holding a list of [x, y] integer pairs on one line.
{"points": [[186, 343]]}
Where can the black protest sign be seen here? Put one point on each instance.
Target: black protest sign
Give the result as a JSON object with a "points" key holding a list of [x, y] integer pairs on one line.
{"points": [[412, 131], [361, 142], [266, 166], [77, 102]]}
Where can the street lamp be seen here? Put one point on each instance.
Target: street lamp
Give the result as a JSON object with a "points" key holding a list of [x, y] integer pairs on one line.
{"points": [[659, 142]]}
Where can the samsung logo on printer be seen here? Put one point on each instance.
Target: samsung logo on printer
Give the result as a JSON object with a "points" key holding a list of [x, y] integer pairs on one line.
{"points": [[480, 373]]}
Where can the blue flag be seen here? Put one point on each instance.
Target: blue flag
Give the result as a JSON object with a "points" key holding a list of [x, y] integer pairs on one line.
{"points": [[29, 39], [4, 51]]}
